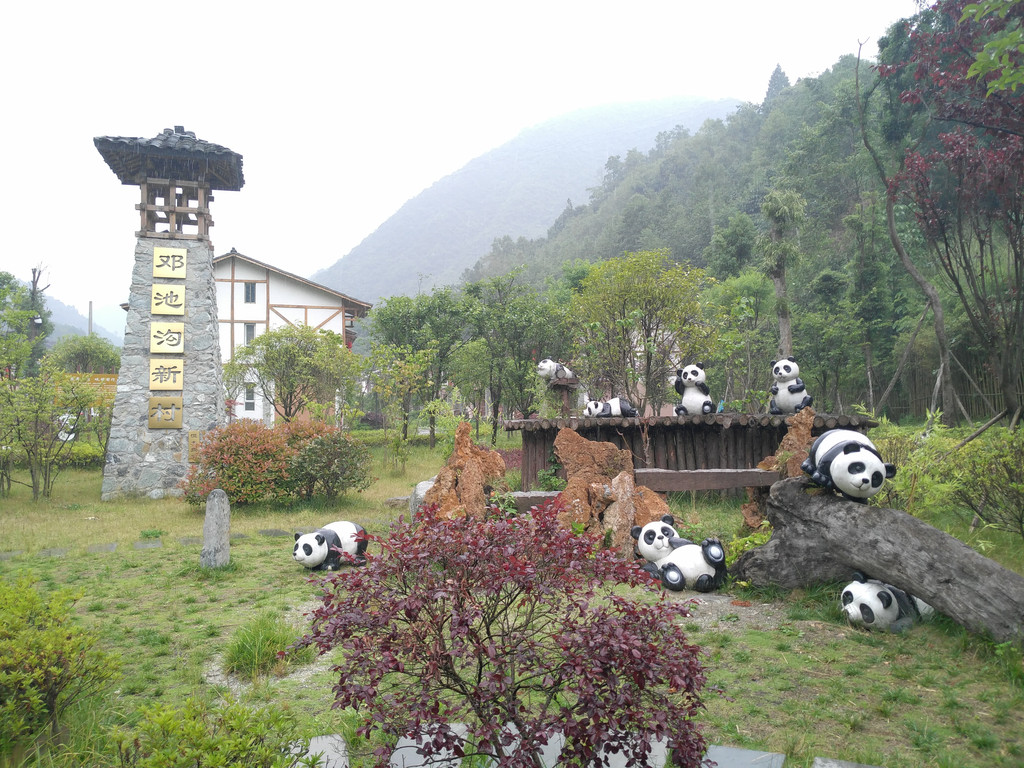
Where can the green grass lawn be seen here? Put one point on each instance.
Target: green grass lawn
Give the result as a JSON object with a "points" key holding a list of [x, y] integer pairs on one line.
{"points": [[935, 696]]}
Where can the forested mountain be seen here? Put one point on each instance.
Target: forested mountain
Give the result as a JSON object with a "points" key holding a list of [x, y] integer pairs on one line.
{"points": [[517, 189]]}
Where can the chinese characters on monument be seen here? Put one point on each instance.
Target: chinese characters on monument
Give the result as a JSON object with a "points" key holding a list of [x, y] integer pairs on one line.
{"points": [[166, 339]]}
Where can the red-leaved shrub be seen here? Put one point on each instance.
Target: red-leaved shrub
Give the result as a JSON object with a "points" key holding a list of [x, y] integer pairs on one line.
{"points": [[245, 459], [505, 624]]}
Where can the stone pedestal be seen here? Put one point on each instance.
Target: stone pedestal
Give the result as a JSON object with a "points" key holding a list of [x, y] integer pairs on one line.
{"points": [[148, 451], [216, 552]]}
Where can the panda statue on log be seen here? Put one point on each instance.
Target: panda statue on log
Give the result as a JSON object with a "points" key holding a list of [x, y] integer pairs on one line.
{"points": [[678, 562], [551, 370], [873, 604], [789, 395], [322, 549], [848, 463], [691, 385], [614, 407]]}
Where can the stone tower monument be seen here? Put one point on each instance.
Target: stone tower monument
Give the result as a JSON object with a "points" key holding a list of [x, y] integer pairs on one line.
{"points": [[170, 388]]}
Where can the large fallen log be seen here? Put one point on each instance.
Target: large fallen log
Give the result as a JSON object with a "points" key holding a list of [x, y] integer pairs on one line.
{"points": [[819, 537]]}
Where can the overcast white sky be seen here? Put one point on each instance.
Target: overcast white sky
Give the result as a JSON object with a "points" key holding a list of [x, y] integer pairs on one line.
{"points": [[342, 111]]}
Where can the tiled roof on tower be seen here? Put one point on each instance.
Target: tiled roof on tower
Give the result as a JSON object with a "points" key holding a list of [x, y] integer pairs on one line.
{"points": [[173, 154]]}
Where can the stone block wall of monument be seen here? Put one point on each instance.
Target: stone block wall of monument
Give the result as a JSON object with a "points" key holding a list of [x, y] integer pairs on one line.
{"points": [[170, 386]]}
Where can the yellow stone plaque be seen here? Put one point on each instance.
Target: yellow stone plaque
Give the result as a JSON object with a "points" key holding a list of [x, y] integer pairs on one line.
{"points": [[167, 299], [165, 413], [195, 440], [167, 338], [169, 262], [166, 373]]}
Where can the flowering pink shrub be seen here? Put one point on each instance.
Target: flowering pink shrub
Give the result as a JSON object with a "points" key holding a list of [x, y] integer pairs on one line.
{"points": [[504, 624]]}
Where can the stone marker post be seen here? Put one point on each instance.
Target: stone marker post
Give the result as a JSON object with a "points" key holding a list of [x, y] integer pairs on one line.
{"points": [[216, 531]]}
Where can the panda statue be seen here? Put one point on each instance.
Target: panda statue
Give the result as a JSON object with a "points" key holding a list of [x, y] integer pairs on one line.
{"points": [[690, 384], [614, 407], [322, 550], [847, 462], [789, 395], [873, 604], [550, 370], [678, 562]]}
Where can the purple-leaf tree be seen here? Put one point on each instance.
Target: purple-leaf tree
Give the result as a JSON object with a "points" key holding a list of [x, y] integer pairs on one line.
{"points": [[519, 629]]}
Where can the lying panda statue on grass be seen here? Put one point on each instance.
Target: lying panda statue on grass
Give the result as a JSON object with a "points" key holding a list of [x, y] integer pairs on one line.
{"points": [[873, 604], [614, 407], [847, 462], [322, 550], [691, 385], [550, 370], [789, 395], [678, 562]]}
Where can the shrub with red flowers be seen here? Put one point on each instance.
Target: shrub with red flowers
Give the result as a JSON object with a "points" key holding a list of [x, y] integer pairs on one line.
{"points": [[516, 628]]}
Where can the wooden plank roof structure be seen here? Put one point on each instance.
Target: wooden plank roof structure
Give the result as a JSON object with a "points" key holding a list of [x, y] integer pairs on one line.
{"points": [[172, 154]]}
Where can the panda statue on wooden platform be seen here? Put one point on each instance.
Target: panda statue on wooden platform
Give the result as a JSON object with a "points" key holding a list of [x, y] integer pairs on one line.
{"points": [[678, 562], [550, 370], [691, 385], [873, 604], [789, 395], [614, 407], [322, 549], [848, 463]]}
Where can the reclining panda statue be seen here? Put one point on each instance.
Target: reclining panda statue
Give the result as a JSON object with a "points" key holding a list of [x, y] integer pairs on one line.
{"points": [[678, 562], [873, 604], [691, 385], [550, 370], [789, 395], [614, 407], [848, 463], [322, 549]]}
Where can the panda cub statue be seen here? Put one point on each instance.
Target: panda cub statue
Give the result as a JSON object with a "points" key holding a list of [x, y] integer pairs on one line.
{"points": [[321, 550], [678, 562], [873, 604], [847, 462], [550, 370], [789, 395], [690, 384], [614, 407]]}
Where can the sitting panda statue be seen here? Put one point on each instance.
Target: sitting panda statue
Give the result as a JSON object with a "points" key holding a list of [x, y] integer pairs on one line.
{"points": [[322, 549], [789, 395], [873, 604], [690, 384], [848, 463], [550, 370], [678, 562], [614, 407]]}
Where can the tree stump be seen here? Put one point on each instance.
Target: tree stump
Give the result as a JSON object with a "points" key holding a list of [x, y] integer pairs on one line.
{"points": [[820, 537]]}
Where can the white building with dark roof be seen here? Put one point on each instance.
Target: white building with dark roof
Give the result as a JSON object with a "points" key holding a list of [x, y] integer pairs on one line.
{"points": [[254, 297]]}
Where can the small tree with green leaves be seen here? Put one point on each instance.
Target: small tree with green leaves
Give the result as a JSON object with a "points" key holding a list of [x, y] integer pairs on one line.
{"points": [[635, 320], [39, 416]]}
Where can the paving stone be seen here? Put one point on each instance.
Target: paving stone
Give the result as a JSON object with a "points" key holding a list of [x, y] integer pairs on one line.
{"points": [[148, 544], [190, 541], [277, 532], [53, 552], [108, 547], [332, 750], [9, 555], [827, 762], [236, 536], [732, 757]]}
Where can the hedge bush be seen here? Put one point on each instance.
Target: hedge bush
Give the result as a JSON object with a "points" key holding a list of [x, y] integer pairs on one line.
{"points": [[46, 662]]}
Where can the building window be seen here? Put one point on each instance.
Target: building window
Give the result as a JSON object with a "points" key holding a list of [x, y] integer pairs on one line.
{"points": [[250, 398], [250, 293], [250, 332]]}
